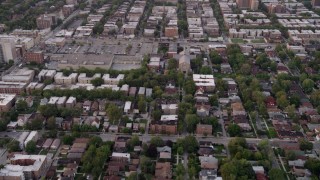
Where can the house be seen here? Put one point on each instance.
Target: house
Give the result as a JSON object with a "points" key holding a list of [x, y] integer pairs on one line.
{"points": [[169, 109], [184, 64], [207, 174], [281, 68], [270, 102], [120, 146], [23, 119], [203, 109], [70, 170], [164, 149], [170, 89], [204, 129], [165, 127], [208, 162], [12, 125], [113, 129], [95, 106], [127, 107], [283, 134], [301, 172], [120, 157], [258, 169], [226, 68], [163, 170], [206, 82], [86, 105], [92, 121], [297, 163], [71, 102], [132, 91], [102, 104], [205, 151], [66, 124], [165, 155]]}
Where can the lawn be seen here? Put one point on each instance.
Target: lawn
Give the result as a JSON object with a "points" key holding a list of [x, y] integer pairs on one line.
{"points": [[237, 40], [260, 40], [44, 152]]}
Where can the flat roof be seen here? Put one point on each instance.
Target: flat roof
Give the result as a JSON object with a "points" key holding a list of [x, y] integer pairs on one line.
{"points": [[6, 98]]}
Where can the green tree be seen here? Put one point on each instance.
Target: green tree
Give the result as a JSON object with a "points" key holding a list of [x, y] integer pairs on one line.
{"points": [[191, 144], [237, 169], [147, 166], [67, 139], [172, 64], [133, 176], [245, 69], [276, 174], [48, 110], [13, 146], [305, 145], [282, 55], [213, 100], [192, 172], [180, 150], [282, 101], [157, 141], [142, 105], [35, 124], [31, 147], [308, 85], [156, 114], [234, 130], [205, 70], [313, 165], [215, 57], [191, 121], [51, 123], [189, 86], [291, 110], [97, 81], [237, 144], [180, 170], [47, 81], [98, 28], [114, 113], [21, 106], [315, 97], [134, 141]]}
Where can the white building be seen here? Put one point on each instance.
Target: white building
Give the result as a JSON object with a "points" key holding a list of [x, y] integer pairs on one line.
{"points": [[59, 78], [127, 107], [83, 79], [6, 102], [33, 136], [204, 81], [7, 48], [114, 81]]}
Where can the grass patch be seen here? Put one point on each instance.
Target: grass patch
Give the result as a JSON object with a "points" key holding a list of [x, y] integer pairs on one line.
{"points": [[260, 40], [237, 40], [44, 152], [272, 133]]}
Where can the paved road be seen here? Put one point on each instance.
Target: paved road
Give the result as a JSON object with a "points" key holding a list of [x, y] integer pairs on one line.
{"points": [[57, 29], [185, 164], [147, 137]]}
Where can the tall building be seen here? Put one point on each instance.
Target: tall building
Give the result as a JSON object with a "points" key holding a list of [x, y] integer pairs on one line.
{"points": [[254, 5], [243, 4], [315, 3], [7, 48], [276, 8], [248, 4], [45, 21]]}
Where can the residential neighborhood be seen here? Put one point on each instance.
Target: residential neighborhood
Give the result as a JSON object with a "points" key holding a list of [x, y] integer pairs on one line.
{"points": [[160, 89]]}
